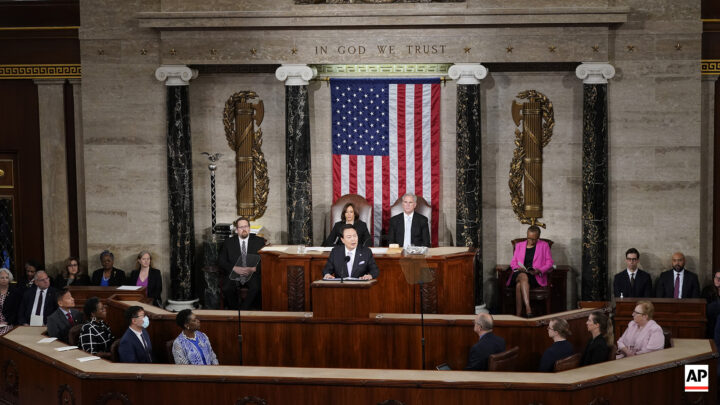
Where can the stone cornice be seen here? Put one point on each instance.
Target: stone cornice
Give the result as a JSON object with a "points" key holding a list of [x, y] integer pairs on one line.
{"points": [[467, 73], [595, 72], [295, 74], [175, 75], [436, 15]]}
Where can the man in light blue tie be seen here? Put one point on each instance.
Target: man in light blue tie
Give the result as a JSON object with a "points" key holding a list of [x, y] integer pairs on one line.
{"points": [[409, 228]]}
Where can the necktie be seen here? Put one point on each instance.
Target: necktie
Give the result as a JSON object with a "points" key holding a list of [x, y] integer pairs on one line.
{"points": [[243, 253], [39, 303], [350, 263], [408, 227], [676, 294], [632, 280], [69, 317], [147, 348]]}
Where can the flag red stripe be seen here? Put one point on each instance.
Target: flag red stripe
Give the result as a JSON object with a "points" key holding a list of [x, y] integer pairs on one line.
{"points": [[386, 193], [418, 106], [352, 174], [400, 138], [435, 159], [369, 183], [337, 165]]}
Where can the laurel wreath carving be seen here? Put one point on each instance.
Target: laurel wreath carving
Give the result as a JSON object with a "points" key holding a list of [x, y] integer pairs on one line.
{"points": [[517, 164], [259, 164]]}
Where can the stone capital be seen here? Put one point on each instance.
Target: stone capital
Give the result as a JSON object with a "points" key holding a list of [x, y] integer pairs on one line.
{"points": [[295, 75], [595, 72], [175, 75], [467, 73]]}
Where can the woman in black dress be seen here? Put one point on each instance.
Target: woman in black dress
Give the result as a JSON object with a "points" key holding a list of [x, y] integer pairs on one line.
{"points": [[597, 349], [349, 216], [71, 275]]}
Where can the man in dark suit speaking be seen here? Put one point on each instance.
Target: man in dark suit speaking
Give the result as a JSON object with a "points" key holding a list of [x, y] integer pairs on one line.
{"points": [[409, 228], [350, 260], [242, 244]]}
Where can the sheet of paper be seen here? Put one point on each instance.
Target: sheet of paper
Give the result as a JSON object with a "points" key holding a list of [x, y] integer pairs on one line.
{"points": [[47, 340], [65, 348], [279, 248], [345, 279], [87, 358], [129, 287], [379, 250], [318, 249]]}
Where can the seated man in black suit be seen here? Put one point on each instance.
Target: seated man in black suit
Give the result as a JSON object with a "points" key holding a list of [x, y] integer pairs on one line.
{"points": [[409, 228], [242, 244], [38, 302], [135, 346], [487, 344], [65, 317], [678, 282], [632, 282], [350, 260]]}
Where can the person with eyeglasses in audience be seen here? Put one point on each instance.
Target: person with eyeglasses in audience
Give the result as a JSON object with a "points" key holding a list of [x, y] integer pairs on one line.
{"points": [[632, 282], [71, 274], [108, 275], [558, 331], [135, 346], [643, 335], [38, 302], [598, 348], [9, 301]]}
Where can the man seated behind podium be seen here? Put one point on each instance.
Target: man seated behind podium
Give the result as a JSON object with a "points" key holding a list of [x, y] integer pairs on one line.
{"points": [[488, 344], [350, 260], [678, 282], [632, 282], [409, 228], [242, 244]]}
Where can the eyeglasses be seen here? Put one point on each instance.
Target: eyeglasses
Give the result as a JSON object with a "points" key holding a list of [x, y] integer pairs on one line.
{"points": [[632, 259], [637, 313]]}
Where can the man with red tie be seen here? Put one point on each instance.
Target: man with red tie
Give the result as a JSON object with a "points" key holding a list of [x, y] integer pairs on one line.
{"points": [[678, 282], [65, 317]]}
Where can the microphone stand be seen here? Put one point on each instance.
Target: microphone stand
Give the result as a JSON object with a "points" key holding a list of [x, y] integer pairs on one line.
{"points": [[342, 278]]}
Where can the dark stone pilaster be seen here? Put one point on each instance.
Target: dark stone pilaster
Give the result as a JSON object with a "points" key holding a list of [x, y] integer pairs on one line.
{"points": [[468, 170], [297, 157], [595, 194], [180, 193]]}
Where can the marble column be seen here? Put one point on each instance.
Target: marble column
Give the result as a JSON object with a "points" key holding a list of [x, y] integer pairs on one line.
{"points": [[80, 172], [180, 186], [53, 166], [595, 180], [468, 220], [297, 152]]}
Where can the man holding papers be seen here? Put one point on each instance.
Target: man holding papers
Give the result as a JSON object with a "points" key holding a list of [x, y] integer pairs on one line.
{"points": [[350, 260]]}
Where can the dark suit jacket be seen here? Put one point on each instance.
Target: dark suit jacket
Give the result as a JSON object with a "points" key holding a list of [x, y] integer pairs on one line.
{"points": [[230, 252], [61, 282], [130, 350], [642, 287], [558, 350], [363, 263], [12, 305], [665, 287], [117, 277], [336, 233], [58, 325], [480, 352], [596, 351], [28, 300], [420, 232], [154, 287]]}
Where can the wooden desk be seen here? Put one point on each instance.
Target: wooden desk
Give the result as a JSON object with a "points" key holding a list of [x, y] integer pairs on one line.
{"points": [[383, 341], [347, 300], [558, 293], [685, 318], [286, 280], [82, 293], [67, 381]]}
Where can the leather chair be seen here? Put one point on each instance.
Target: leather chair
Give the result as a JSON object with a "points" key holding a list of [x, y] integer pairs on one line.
{"points": [[363, 207], [667, 333], [540, 294], [74, 335], [422, 208], [168, 351], [568, 363], [504, 361], [613, 352], [115, 351]]}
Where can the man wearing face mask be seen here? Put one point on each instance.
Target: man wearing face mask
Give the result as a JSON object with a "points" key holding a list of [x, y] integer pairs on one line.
{"points": [[678, 282], [242, 244], [135, 346]]}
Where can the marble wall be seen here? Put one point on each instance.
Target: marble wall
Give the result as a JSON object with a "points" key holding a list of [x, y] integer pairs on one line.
{"points": [[657, 202]]}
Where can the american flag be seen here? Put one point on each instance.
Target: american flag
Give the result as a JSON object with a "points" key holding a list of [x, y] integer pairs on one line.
{"points": [[386, 142]]}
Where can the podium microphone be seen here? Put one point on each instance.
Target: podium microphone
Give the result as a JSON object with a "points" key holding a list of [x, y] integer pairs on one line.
{"points": [[347, 260]]}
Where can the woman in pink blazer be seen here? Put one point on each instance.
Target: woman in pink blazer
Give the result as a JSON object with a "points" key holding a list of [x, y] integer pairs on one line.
{"points": [[533, 255]]}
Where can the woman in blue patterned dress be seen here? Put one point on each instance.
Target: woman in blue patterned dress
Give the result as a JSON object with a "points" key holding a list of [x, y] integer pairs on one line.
{"points": [[192, 346]]}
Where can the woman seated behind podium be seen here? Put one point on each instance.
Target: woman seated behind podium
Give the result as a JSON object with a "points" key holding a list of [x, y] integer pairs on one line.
{"points": [[643, 335], [95, 335], [349, 216], [597, 349], [192, 346], [558, 331], [146, 276], [531, 258], [71, 274]]}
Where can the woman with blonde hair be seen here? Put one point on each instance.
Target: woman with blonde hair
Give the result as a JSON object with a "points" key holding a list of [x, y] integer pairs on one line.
{"points": [[643, 335], [558, 331], [146, 276]]}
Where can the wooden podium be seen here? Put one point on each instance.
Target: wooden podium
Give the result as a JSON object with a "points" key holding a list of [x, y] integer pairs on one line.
{"points": [[349, 299]]}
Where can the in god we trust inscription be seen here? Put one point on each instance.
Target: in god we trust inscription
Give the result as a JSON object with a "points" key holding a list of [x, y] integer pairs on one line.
{"points": [[384, 49]]}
